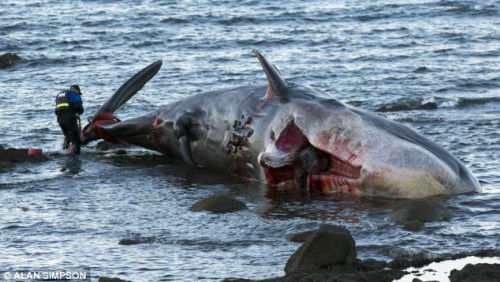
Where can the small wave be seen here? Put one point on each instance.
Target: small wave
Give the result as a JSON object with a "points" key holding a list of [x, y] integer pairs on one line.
{"points": [[14, 26], [373, 17], [471, 9], [479, 83], [259, 42], [238, 19], [174, 20], [432, 103], [146, 43], [47, 61], [465, 102], [398, 29], [98, 23], [444, 50]]}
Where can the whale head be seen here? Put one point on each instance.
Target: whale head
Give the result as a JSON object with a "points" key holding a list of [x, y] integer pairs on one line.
{"points": [[319, 144]]}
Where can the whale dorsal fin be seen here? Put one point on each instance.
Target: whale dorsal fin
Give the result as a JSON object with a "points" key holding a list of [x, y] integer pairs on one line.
{"points": [[277, 84]]}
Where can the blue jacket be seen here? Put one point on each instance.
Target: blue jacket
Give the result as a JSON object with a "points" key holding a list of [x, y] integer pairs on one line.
{"points": [[69, 100]]}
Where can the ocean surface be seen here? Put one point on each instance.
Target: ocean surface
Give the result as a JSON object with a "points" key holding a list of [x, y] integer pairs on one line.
{"points": [[433, 65]]}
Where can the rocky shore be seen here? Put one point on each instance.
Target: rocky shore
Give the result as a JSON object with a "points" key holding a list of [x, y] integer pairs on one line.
{"points": [[329, 253], [9, 157], [8, 59]]}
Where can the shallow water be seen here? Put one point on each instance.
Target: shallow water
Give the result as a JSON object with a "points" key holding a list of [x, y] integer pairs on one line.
{"points": [[433, 65]]}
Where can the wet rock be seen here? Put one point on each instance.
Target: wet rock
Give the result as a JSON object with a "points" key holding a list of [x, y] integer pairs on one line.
{"points": [[418, 280], [120, 152], [330, 245], [421, 210], [405, 261], [413, 225], [368, 270], [482, 272], [108, 279], [394, 108], [300, 237], [429, 106], [218, 204], [18, 155], [373, 270], [8, 59], [421, 69], [102, 146], [136, 240]]}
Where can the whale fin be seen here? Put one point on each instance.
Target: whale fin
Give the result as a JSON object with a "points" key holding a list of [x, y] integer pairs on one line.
{"points": [[129, 89], [186, 151], [277, 84], [182, 129]]}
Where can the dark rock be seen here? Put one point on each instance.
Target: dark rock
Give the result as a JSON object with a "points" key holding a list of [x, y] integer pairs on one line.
{"points": [[8, 59], [421, 69], [102, 146], [379, 271], [371, 264], [421, 210], [417, 260], [330, 245], [108, 279], [19, 155], [300, 237], [394, 108], [413, 225], [218, 204], [429, 106], [136, 240], [347, 272], [481, 272]]}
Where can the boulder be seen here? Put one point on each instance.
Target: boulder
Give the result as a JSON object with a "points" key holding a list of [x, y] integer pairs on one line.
{"points": [[7, 59], [18, 155], [218, 204], [481, 272], [136, 240], [330, 245], [421, 210], [300, 237]]}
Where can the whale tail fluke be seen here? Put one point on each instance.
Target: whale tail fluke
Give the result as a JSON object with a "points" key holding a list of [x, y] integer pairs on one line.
{"points": [[105, 114]]}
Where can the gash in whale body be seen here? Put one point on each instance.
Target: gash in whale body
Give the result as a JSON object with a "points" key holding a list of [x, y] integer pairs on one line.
{"points": [[289, 136]]}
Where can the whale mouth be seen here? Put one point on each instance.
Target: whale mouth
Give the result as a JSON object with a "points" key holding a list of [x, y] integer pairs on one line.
{"points": [[294, 163]]}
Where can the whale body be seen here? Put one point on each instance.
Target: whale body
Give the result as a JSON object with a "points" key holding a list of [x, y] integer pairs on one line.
{"points": [[290, 137]]}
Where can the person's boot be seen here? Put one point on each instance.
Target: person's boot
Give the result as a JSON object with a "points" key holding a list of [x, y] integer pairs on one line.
{"points": [[76, 149], [66, 144]]}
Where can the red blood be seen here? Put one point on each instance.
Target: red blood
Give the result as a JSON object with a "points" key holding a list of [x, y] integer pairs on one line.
{"points": [[291, 139], [156, 122], [105, 118]]}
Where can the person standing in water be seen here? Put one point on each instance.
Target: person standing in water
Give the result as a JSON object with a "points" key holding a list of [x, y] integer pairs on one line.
{"points": [[69, 106]]}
